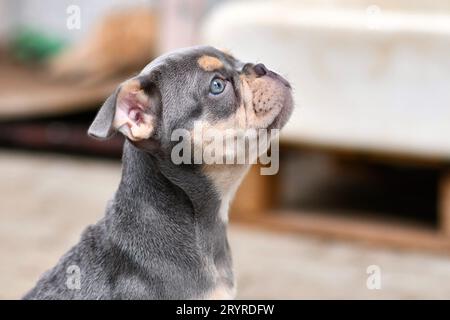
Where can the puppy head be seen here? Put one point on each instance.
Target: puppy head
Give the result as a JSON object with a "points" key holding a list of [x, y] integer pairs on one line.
{"points": [[185, 87]]}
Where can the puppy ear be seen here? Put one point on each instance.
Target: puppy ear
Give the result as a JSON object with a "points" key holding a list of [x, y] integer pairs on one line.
{"points": [[130, 110]]}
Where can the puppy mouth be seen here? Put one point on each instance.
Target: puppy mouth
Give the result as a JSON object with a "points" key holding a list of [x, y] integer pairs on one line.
{"points": [[281, 118], [284, 107], [268, 97]]}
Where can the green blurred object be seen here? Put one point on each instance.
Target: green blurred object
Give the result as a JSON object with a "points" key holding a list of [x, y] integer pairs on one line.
{"points": [[32, 46]]}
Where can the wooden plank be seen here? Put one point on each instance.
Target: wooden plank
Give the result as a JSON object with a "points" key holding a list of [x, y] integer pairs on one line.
{"points": [[444, 203], [359, 154], [63, 137], [27, 92], [386, 233], [256, 194]]}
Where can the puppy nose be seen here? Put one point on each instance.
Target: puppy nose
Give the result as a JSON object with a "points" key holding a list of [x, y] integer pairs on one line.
{"points": [[260, 70]]}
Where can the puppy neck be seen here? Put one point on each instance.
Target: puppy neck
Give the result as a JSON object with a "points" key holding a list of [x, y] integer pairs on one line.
{"points": [[158, 181], [226, 180], [170, 212]]}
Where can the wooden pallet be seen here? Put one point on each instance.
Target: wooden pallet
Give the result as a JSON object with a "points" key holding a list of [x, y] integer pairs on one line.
{"points": [[28, 92], [257, 203]]}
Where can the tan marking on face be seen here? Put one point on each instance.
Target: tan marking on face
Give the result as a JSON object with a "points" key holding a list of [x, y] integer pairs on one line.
{"points": [[209, 63], [225, 177], [250, 114], [263, 99], [225, 134]]}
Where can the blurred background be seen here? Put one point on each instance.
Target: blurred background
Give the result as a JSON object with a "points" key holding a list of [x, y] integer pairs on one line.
{"points": [[364, 177]]}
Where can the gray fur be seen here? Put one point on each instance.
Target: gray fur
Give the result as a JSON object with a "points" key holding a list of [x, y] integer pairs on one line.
{"points": [[161, 236], [105, 115]]}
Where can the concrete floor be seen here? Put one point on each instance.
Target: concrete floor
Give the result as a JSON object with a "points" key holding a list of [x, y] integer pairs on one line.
{"points": [[46, 200]]}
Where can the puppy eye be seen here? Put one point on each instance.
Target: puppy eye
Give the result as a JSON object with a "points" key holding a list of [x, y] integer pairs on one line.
{"points": [[217, 86]]}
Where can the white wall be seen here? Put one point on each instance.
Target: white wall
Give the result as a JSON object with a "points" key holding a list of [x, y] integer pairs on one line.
{"points": [[50, 15]]}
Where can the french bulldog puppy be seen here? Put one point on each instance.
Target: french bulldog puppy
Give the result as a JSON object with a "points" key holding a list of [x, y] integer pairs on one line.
{"points": [[163, 235]]}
